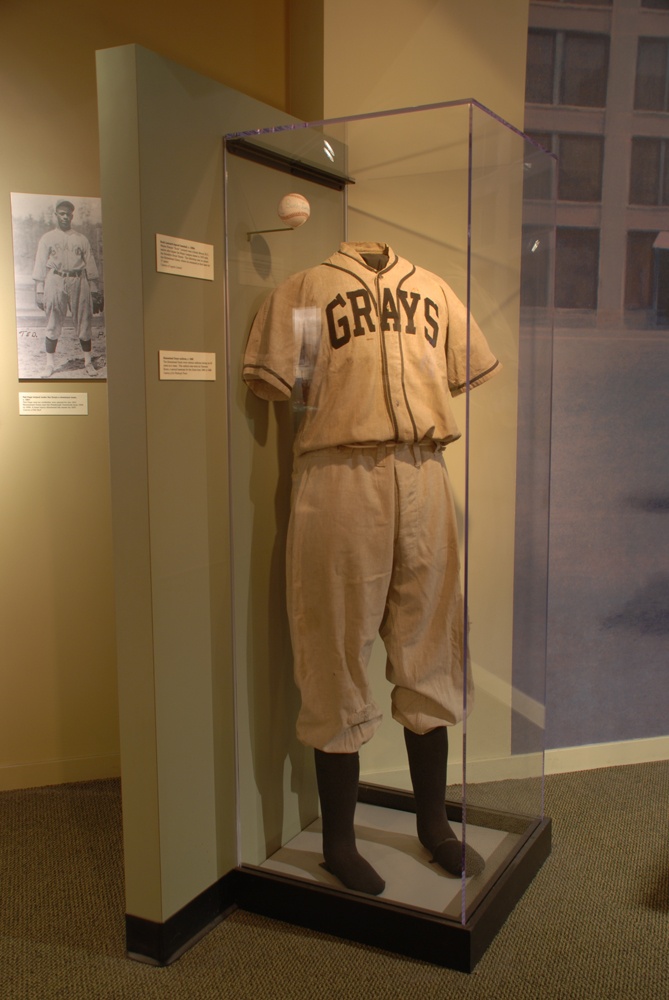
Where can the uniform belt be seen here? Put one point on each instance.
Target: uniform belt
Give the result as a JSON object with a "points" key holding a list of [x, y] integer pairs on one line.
{"points": [[415, 451], [429, 444], [67, 274]]}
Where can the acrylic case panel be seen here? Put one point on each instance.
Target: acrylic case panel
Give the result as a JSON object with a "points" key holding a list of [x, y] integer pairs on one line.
{"points": [[506, 452], [450, 188]]}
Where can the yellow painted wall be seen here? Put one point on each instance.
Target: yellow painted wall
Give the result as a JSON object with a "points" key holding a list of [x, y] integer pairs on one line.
{"points": [[58, 709], [356, 56], [58, 701], [408, 52]]}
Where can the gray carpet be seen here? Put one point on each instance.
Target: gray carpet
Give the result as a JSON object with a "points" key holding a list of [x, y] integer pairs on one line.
{"points": [[593, 924]]}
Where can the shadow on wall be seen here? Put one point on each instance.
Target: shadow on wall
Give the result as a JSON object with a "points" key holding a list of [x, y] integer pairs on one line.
{"points": [[647, 611]]}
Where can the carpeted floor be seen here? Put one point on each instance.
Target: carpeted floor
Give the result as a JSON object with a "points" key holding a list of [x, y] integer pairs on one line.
{"points": [[593, 924]]}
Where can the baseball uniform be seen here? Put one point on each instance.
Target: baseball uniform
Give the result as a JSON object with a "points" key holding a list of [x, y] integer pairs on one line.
{"points": [[375, 346], [65, 263]]}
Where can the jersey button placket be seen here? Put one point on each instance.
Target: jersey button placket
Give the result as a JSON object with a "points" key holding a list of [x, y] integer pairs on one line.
{"points": [[394, 364]]}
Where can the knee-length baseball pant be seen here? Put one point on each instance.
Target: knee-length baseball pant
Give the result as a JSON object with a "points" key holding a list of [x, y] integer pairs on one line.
{"points": [[373, 548], [63, 291]]}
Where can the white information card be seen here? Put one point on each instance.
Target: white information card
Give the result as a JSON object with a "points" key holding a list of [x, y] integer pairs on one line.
{"points": [[184, 257], [189, 366], [53, 404]]}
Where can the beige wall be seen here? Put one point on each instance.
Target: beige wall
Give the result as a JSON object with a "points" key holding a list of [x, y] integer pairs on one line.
{"points": [[58, 701], [406, 52]]}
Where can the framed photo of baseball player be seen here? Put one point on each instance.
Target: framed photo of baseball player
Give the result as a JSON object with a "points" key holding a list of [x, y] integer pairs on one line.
{"points": [[59, 287]]}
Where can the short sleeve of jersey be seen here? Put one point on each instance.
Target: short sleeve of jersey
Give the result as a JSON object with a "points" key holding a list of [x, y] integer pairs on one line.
{"points": [[272, 350], [39, 270], [89, 260], [482, 362]]}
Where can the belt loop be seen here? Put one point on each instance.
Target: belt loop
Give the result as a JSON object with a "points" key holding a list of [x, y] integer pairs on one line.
{"points": [[416, 455]]}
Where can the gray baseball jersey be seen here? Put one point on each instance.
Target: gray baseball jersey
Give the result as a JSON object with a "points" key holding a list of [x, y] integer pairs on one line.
{"points": [[379, 352]]}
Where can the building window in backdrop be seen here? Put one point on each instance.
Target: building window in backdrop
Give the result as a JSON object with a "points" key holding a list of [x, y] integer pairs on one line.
{"points": [[651, 90], [567, 68], [655, 4], [580, 161], [649, 174], [576, 267], [639, 270], [647, 274], [538, 184], [535, 272]]}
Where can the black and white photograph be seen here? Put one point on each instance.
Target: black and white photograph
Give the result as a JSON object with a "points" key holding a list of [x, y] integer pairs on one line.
{"points": [[59, 283]]}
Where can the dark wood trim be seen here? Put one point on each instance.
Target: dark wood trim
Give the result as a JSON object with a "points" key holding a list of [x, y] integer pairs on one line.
{"points": [[491, 913], [355, 917], [279, 161], [410, 931]]}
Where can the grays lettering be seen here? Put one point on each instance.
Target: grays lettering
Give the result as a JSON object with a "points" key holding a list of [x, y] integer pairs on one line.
{"points": [[432, 321], [409, 310], [354, 315], [361, 309], [337, 340], [389, 312]]}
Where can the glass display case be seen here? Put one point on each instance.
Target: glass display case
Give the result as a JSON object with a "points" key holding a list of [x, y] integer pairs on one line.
{"points": [[453, 191]]}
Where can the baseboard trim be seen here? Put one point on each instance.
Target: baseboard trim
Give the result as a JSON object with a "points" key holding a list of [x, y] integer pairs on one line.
{"points": [[595, 755], [161, 944], [560, 760], [58, 772]]}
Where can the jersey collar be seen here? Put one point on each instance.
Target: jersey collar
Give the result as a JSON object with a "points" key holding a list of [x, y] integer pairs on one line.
{"points": [[355, 250]]}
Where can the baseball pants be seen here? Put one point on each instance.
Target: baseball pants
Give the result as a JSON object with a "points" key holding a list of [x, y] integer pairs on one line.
{"points": [[61, 292], [373, 549]]}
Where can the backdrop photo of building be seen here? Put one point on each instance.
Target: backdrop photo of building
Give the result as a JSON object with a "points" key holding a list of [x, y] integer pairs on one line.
{"points": [[597, 95]]}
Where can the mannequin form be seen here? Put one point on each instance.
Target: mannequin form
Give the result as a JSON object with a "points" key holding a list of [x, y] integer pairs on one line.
{"points": [[381, 345]]}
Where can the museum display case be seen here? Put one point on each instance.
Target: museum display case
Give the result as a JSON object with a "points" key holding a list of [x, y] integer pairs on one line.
{"points": [[456, 191]]}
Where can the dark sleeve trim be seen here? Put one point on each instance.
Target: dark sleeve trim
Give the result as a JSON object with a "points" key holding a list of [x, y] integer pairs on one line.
{"points": [[476, 379], [256, 371]]}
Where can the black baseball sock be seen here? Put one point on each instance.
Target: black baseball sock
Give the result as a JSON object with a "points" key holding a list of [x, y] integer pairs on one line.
{"points": [[337, 775], [428, 756]]}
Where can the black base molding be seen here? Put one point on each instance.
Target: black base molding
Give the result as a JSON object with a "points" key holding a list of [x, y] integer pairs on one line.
{"points": [[160, 944], [407, 930]]}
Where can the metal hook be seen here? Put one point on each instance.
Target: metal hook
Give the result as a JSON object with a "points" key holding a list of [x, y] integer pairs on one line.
{"points": [[257, 232]]}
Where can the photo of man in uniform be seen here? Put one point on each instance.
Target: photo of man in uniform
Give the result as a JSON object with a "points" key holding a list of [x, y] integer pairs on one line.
{"points": [[60, 326]]}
